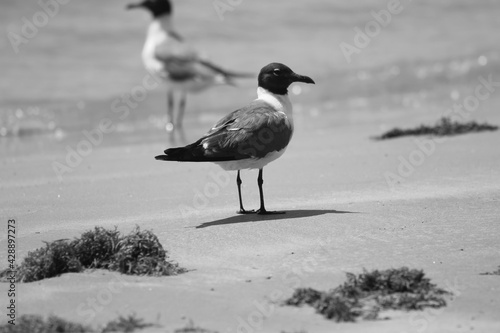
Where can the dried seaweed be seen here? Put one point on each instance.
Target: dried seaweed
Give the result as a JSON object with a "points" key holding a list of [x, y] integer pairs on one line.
{"points": [[138, 253], [366, 294], [445, 127]]}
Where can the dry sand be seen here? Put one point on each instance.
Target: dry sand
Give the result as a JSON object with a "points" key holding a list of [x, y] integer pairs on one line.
{"points": [[341, 217]]}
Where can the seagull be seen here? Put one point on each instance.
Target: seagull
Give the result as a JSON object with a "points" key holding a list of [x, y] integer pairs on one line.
{"points": [[250, 137], [166, 55]]}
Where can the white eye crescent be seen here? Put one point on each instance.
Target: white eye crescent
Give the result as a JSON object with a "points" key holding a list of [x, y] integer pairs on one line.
{"points": [[276, 72]]}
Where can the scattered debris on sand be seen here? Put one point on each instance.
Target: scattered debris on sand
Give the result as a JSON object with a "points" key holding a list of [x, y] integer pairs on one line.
{"points": [[445, 127], [365, 295], [497, 272], [126, 324], [192, 328], [37, 324]]}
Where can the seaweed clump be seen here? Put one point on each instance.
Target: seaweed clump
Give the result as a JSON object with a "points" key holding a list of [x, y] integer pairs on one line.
{"points": [[126, 324], [138, 253], [365, 295], [445, 127], [497, 272], [37, 324]]}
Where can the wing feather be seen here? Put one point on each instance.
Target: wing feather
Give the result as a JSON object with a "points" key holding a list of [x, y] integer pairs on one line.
{"points": [[250, 132], [180, 62]]}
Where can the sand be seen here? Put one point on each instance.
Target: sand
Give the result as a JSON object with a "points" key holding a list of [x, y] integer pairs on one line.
{"points": [[341, 217]]}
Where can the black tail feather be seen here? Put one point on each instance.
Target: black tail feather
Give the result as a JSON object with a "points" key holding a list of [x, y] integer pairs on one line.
{"points": [[192, 153], [182, 154]]}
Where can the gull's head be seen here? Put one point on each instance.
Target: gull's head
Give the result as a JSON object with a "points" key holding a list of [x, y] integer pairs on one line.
{"points": [[156, 7], [277, 77]]}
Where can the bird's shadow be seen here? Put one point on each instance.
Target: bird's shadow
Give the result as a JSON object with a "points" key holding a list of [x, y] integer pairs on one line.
{"points": [[291, 214]]}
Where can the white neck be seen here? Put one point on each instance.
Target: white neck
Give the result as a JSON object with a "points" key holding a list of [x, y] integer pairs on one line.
{"points": [[162, 23], [280, 103]]}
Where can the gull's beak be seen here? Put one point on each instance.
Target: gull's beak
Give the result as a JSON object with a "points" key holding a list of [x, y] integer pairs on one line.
{"points": [[134, 5], [301, 78]]}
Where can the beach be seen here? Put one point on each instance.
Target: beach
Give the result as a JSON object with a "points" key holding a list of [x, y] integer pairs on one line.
{"points": [[351, 202]]}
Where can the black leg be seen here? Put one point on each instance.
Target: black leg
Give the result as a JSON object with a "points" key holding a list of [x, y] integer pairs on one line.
{"points": [[242, 210], [170, 111], [180, 117], [182, 107], [262, 210]]}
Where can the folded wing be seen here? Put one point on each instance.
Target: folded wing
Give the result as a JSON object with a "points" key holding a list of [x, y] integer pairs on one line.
{"points": [[250, 132], [182, 63]]}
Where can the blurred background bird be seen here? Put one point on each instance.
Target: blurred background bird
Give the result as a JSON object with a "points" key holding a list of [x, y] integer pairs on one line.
{"points": [[167, 56]]}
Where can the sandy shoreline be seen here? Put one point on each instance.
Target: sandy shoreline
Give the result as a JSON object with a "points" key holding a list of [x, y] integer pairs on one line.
{"points": [[342, 217], [439, 213]]}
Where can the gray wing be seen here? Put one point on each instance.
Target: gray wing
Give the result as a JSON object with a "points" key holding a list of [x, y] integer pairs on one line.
{"points": [[250, 132], [182, 63]]}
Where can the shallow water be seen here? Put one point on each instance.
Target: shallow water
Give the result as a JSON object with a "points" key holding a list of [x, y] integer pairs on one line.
{"points": [[66, 78]]}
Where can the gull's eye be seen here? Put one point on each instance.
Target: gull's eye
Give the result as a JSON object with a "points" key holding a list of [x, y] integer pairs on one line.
{"points": [[276, 72]]}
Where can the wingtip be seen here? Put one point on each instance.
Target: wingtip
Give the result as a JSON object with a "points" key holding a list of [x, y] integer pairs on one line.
{"points": [[132, 6], [242, 75]]}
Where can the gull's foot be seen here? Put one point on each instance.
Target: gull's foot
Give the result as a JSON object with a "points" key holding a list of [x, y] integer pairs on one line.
{"points": [[263, 211], [242, 211]]}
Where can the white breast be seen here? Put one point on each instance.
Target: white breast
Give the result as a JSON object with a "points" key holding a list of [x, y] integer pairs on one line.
{"points": [[156, 36], [280, 103], [251, 163]]}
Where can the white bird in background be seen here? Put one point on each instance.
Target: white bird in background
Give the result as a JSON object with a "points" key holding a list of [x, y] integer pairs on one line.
{"points": [[168, 57], [251, 137]]}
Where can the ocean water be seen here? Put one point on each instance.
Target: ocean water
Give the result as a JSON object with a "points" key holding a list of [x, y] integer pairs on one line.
{"points": [[65, 77]]}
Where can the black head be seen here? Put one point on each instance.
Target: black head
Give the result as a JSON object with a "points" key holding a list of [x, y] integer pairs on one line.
{"points": [[156, 7], [277, 77]]}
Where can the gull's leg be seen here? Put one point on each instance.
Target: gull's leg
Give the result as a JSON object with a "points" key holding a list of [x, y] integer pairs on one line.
{"points": [[262, 210], [180, 116], [170, 111], [242, 210], [169, 127], [182, 107]]}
